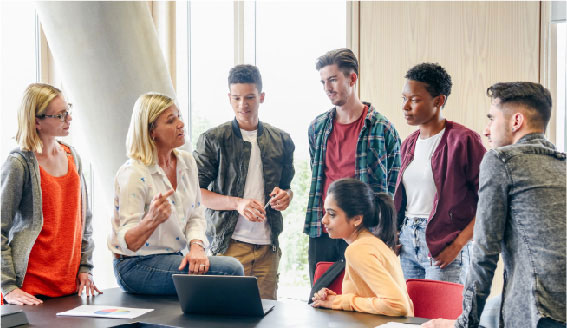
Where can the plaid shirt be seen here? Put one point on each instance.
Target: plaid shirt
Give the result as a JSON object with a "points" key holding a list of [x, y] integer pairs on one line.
{"points": [[377, 160]]}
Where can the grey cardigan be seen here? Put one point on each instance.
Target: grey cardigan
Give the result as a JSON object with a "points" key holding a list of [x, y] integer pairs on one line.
{"points": [[22, 216]]}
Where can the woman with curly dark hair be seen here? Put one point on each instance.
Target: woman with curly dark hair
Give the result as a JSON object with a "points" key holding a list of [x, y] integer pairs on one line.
{"points": [[437, 188]]}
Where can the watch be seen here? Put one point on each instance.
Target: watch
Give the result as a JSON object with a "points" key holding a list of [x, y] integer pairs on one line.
{"points": [[197, 242]]}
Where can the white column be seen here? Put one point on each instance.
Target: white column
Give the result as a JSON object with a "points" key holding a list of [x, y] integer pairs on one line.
{"points": [[108, 55]]}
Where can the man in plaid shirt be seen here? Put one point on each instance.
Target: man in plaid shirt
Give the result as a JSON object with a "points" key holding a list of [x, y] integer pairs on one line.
{"points": [[351, 140]]}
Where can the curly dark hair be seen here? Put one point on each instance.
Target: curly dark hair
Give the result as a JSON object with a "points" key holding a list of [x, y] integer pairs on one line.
{"points": [[534, 96], [434, 76], [245, 74]]}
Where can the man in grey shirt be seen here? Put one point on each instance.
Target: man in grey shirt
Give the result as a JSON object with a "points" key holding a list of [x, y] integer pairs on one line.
{"points": [[521, 214]]}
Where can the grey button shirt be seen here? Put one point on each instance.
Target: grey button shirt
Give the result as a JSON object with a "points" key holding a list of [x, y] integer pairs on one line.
{"points": [[521, 214]]}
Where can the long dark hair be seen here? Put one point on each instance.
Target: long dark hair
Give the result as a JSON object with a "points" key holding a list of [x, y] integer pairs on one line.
{"points": [[355, 197]]}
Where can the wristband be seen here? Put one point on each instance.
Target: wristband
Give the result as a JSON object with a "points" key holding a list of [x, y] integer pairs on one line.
{"points": [[197, 242]]}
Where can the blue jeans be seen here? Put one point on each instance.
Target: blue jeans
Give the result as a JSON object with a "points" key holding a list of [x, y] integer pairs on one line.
{"points": [[152, 274], [416, 261]]}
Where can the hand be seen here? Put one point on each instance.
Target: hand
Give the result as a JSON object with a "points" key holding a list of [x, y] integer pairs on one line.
{"points": [[448, 255], [197, 259], [252, 210], [85, 280], [397, 245], [324, 298], [439, 323], [280, 199], [160, 207], [19, 297]]}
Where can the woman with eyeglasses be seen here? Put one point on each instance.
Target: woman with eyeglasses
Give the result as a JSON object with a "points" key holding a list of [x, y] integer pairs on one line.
{"points": [[373, 280], [47, 241], [158, 228]]}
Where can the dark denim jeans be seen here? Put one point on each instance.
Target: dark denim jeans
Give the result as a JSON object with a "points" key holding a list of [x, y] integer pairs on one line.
{"points": [[152, 274]]}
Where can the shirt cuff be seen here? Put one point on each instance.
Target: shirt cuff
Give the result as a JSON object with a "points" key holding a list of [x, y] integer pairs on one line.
{"points": [[343, 302], [120, 236]]}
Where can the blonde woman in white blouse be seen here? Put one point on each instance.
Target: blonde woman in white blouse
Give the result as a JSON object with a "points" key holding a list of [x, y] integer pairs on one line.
{"points": [[157, 205]]}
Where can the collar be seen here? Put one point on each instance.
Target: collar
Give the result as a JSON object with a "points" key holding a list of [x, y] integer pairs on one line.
{"points": [[531, 137], [368, 121], [236, 128]]}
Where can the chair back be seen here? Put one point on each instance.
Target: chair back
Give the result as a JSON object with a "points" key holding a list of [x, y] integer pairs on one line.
{"points": [[337, 284], [433, 299]]}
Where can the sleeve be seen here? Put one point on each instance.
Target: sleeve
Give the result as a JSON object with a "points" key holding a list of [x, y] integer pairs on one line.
{"points": [[389, 300], [392, 140], [475, 153], [312, 141], [488, 234], [13, 178], [131, 193], [87, 242], [288, 171], [196, 223], [207, 160]]}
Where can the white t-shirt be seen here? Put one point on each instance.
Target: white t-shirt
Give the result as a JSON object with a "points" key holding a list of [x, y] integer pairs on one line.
{"points": [[135, 186], [257, 233], [418, 178]]}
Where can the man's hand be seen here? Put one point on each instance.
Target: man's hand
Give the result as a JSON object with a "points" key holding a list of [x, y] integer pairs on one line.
{"points": [[252, 210], [85, 280], [448, 255], [197, 259], [19, 297], [324, 298], [439, 323], [280, 199]]}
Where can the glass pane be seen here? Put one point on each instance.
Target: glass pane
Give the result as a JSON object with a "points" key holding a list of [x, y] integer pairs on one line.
{"points": [[212, 56], [561, 86], [182, 58], [286, 54], [18, 64]]}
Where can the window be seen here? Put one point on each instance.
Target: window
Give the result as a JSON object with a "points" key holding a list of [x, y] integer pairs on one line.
{"points": [[223, 34], [20, 65], [286, 55], [561, 139], [211, 57]]}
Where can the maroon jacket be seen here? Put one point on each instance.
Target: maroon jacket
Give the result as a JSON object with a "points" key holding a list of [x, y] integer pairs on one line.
{"points": [[455, 164]]}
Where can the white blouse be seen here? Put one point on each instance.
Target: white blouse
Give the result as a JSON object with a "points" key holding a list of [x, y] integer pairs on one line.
{"points": [[135, 186]]}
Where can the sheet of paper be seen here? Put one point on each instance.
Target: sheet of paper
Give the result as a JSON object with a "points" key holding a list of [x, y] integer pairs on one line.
{"points": [[398, 325], [105, 311]]}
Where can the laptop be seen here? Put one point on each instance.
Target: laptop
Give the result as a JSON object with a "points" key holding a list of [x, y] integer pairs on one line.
{"points": [[225, 295]]}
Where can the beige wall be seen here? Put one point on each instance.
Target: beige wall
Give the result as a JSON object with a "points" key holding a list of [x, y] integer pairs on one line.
{"points": [[479, 43]]}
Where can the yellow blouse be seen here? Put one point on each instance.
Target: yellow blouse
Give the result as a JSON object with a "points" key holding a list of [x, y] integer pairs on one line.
{"points": [[373, 280]]}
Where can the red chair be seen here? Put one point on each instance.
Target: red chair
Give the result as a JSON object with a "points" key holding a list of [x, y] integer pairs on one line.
{"points": [[433, 299], [337, 284]]}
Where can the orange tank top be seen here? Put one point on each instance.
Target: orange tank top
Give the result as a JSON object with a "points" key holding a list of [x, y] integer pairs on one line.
{"points": [[56, 255]]}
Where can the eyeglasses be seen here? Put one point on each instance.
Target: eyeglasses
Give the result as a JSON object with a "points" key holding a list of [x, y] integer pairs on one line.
{"points": [[61, 116]]}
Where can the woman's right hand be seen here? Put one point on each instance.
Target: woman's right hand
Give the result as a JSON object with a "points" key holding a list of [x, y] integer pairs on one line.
{"points": [[160, 208], [19, 297], [159, 212]]}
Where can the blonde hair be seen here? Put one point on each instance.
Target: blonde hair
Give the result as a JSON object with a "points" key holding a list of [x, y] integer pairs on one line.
{"points": [[147, 109], [35, 101]]}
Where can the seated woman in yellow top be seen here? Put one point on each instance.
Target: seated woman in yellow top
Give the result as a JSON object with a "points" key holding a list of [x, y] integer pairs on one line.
{"points": [[373, 280]]}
